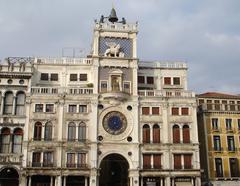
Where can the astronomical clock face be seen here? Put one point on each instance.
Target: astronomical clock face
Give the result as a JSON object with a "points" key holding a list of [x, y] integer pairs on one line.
{"points": [[114, 123]]}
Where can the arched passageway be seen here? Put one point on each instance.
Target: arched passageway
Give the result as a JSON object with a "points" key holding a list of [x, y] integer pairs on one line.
{"points": [[114, 171], [9, 177]]}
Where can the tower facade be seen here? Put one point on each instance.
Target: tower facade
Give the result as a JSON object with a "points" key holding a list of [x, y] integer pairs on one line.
{"points": [[109, 119]]}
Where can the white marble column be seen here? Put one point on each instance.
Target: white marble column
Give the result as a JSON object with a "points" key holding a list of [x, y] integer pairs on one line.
{"points": [[2, 105], [14, 105], [64, 180], [167, 181], [51, 183], [29, 181], [23, 181]]}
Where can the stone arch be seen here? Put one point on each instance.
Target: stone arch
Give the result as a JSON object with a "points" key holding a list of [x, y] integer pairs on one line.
{"points": [[114, 170], [9, 176]]}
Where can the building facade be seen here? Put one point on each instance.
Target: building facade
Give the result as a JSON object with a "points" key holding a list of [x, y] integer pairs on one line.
{"points": [[108, 119], [219, 129]]}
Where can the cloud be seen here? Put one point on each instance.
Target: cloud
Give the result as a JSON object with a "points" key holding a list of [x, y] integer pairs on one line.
{"points": [[204, 33]]}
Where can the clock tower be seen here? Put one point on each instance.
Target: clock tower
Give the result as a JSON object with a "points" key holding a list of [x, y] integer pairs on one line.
{"points": [[114, 54]]}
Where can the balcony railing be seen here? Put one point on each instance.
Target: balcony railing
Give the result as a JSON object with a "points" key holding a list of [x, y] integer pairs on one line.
{"points": [[41, 164], [218, 149], [220, 107], [64, 60], [76, 165], [164, 93], [61, 90]]}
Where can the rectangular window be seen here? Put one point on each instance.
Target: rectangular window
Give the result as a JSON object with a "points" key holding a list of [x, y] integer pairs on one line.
{"points": [[225, 105], [150, 80], [217, 104], [141, 79], [44, 76], [36, 158], [231, 144], [175, 111], [177, 161], [176, 81], [232, 105], [39, 108], [238, 105], [219, 168], [238, 121], [187, 161], [185, 111], [209, 105], [72, 108], [217, 143], [146, 161], [145, 110], [228, 124], [81, 160], [234, 168], [83, 77], [167, 80], [103, 86], [126, 87], [71, 160], [73, 77], [157, 161], [48, 159], [215, 124], [155, 110], [201, 101], [54, 77], [49, 107], [83, 108]]}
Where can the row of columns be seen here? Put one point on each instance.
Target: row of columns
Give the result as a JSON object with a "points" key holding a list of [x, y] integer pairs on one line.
{"points": [[54, 181]]}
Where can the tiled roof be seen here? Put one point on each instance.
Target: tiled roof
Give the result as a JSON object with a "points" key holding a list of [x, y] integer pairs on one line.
{"points": [[218, 95]]}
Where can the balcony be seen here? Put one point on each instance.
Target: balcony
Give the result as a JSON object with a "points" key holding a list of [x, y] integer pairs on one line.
{"points": [[40, 164], [232, 149], [219, 107], [61, 90], [76, 165], [216, 129], [115, 95], [10, 159], [166, 93], [149, 167], [63, 60]]}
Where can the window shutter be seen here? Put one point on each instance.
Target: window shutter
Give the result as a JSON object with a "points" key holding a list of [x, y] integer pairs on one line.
{"points": [[176, 134], [146, 134], [156, 134], [186, 134], [177, 161], [157, 161], [145, 110], [187, 161], [155, 110], [147, 161], [167, 81], [175, 111]]}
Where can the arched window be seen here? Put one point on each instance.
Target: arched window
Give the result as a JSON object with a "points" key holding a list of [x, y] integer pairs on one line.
{"points": [[176, 134], [17, 140], [146, 134], [8, 103], [186, 134], [5, 140], [71, 131], [48, 131], [20, 104], [37, 131], [156, 133], [82, 132]]}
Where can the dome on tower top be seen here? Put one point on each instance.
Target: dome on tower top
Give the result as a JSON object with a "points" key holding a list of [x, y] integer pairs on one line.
{"points": [[113, 16]]}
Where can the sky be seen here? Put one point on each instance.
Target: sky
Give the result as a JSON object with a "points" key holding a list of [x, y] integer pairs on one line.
{"points": [[205, 34]]}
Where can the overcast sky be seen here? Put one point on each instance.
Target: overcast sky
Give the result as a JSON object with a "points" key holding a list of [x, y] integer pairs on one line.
{"points": [[203, 33]]}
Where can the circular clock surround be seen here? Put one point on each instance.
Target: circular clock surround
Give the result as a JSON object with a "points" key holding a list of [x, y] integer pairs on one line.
{"points": [[114, 123]]}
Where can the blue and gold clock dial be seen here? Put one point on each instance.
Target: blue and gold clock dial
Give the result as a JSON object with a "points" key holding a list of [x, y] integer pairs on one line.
{"points": [[114, 123]]}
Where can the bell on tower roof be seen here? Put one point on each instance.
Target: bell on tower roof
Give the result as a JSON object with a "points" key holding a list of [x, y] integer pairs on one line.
{"points": [[113, 16]]}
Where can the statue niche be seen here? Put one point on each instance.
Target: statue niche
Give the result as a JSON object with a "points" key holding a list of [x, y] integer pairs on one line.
{"points": [[113, 50]]}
